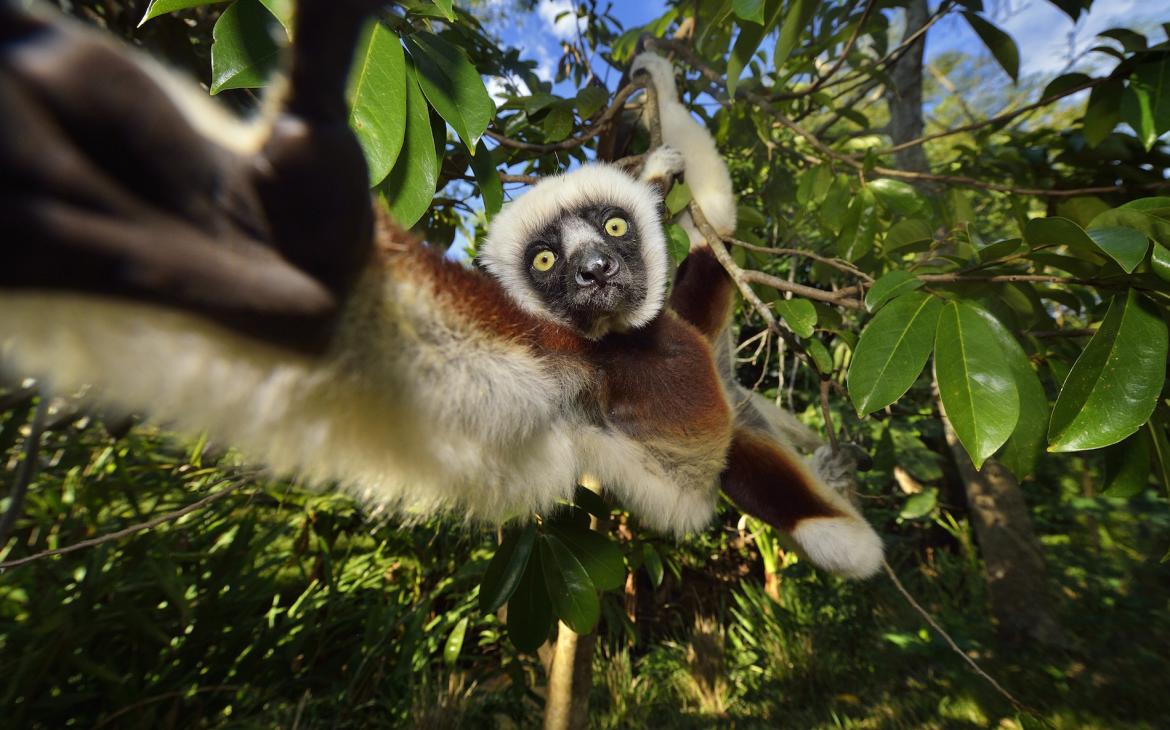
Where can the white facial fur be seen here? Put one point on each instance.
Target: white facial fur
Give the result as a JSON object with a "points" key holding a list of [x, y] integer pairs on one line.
{"points": [[503, 251]]}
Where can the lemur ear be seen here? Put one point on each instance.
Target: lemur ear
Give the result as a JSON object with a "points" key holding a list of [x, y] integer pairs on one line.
{"points": [[770, 482]]}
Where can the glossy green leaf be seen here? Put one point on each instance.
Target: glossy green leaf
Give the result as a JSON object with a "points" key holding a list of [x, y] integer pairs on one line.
{"points": [[244, 53], [1103, 111], [1057, 231], [746, 43], [572, 593], [1127, 466], [860, 228], [1160, 262], [590, 501], [677, 242], [1026, 443], [1138, 218], [1113, 386], [1000, 249], [975, 381], [283, 11], [1145, 105], [590, 100], [893, 284], [653, 563], [892, 351], [1124, 245], [162, 7], [452, 85], [488, 178], [410, 186], [920, 505], [600, 556], [821, 359], [749, 10], [897, 196], [678, 197], [530, 613], [1001, 45], [800, 314], [907, 233], [377, 92], [506, 568], [454, 643], [446, 7], [796, 22]]}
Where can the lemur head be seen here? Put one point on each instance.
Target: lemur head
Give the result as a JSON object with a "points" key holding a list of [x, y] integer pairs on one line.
{"points": [[584, 249]]}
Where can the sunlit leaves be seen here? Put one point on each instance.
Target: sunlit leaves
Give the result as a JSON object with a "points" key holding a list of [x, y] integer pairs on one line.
{"points": [[1124, 245], [570, 590], [860, 227], [452, 85], [796, 20], [410, 186], [897, 196], [1160, 262], [800, 314], [892, 351], [162, 7], [975, 382], [244, 52], [590, 100], [678, 243], [377, 90], [746, 43], [1145, 105], [889, 286], [1114, 385], [598, 555], [1001, 45], [454, 643]]}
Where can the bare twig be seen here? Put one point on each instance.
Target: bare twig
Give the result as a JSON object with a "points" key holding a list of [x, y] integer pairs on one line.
{"points": [[840, 265], [133, 529], [841, 297], [951, 642], [822, 80]]}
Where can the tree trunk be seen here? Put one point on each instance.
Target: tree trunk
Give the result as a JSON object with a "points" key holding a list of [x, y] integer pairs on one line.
{"points": [[1014, 566]]}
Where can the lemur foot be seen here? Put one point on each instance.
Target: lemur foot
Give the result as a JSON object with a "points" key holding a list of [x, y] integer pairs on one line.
{"points": [[663, 163]]}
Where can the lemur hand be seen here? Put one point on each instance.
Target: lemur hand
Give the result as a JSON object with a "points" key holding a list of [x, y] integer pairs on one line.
{"points": [[109, 186]]}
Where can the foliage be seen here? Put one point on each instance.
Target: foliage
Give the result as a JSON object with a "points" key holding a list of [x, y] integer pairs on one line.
{"points": [[1025, 274]]}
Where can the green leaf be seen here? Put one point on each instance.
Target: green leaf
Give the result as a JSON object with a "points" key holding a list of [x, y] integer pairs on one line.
{"points": [[1160, 448], [600, 556], [800, 314], [1124, 245], [892, 351], [1103, 111], [573, 595], [410, 186], [1160, 261], [1000, 249], [1127, 467], [590, 100], [452, 85], [746, 43], [1133, 215], [821, 358], [919, 505], [1145, 104], [677, 242], [530, 614], [506, 568], [1026, 443], [1001, 45], [377, 94], [455, 642], [907, 233], [446, 7], [557, 122], [243, 51], [975, 382], [893, 284], [860, 228], [488, 179], [1057, 231], [653, 564], [162, 7], [1113, 386], [796, 21], [749, 10], [678, 197], [283, 11], [1063, 83], [590, 501], [896, 196]]}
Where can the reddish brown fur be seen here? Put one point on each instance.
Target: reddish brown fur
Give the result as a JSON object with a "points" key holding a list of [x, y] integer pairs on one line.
{"points": [[765, 482], [703, 292]]}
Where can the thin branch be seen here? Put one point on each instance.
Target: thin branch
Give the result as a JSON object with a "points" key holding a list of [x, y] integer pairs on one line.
{"points": [[133, 529], [822, 80], [569, 143], [841, 297], [843, 266], [951, 642]]}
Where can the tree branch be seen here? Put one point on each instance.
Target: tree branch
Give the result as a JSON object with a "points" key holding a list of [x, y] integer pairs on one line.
{"points": [[569, 143]]}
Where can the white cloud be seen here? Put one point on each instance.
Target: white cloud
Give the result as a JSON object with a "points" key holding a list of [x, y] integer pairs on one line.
{"points": [[497, 87], [560, 16]]}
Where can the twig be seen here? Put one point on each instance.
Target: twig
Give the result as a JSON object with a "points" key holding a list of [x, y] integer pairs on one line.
{"points": [[951, 642], [133, 529], [569, 143], [822, 80], [24, 474], [840, 297], [843, 266]]}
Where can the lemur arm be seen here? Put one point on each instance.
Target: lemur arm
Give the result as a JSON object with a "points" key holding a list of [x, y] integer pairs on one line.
{"points": [[764, 476]]}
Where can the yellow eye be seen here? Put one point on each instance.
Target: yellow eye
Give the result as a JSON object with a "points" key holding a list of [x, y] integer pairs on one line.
{"points": [[616, 227], [544, 260]]}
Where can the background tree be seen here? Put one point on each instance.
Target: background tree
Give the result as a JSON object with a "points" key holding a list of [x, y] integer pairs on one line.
{"points": [[916, 236]]}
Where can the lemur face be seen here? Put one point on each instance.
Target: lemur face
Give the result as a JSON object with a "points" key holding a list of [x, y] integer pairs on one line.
{"points": [[587, 267]]}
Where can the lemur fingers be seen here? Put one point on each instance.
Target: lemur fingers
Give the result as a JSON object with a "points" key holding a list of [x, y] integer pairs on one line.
{"points": [[662, 166]]}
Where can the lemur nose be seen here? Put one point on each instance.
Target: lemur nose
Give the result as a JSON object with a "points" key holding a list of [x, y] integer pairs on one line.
{"points": [[597, 269]]}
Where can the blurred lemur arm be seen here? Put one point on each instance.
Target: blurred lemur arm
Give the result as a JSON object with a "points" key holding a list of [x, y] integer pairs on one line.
{"points": [[764, 476]]}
